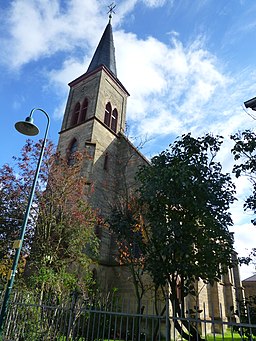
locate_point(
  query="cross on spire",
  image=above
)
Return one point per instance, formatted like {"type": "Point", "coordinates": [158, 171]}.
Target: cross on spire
{"type": "Point", "coordinates": [111, 10]}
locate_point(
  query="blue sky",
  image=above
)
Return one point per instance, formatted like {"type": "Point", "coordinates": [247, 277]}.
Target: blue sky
{"type": "Point", "coordinates": [188, 65]}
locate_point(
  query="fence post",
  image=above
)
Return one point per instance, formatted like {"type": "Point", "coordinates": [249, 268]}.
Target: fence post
{"type": "Point", "coordinates": [71, 315]}
{"type": "Point", "coordinates": [167, 319]}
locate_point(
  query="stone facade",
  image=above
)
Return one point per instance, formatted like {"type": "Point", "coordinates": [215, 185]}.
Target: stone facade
{"type": "Point", "coordinates": [111, 160]}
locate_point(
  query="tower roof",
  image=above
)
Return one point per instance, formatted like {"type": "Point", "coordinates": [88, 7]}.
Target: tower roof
{"type": "Point", "coordinates": [105, 52]}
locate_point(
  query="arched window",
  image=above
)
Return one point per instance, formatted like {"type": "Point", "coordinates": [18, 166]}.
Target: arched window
{"type": "Point", "coordinates": [82, 116]}
{"type": "Point", "coordinates": [74, 119]}
{"type": "Point", "coordinates": [71, 151]}
{"type": "Point", "coordinates": [114, 117]}
{"type": "Point", "coordinates": [107, 117]}
{"type": "Point", "coordinates": [111, 117]}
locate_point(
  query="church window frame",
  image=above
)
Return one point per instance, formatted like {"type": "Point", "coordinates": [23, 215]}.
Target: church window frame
{"type": "Point", "coordinates": [84, 109]}
{"type": "Point", "coordinates": [75, 115]}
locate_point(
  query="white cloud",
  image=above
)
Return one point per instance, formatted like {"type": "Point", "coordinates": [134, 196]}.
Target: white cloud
{"type": "Point", "coordinates": [154, 3]}
{"type": "Point", "coordinates": [41, 28]}
{"type": "Point", "coordinates": [38, 29]}
{"type": "Point", "coordinates": [163, 121]}
{"type": "Point", "coordinates": [59, 78]}
{"type": "Point", "coordinates": [173, 86]}
{"type": "Point", "coordinates": [183, 78]}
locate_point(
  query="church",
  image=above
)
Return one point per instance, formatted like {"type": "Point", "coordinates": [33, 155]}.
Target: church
{"type": "Point", "coordinates": [94, 123]}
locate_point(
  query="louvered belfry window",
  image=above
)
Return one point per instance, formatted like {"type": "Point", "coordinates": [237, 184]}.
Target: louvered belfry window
{"type": "Point", "coordinates": [83, 113]}
{"type": "Point", "coordinates": [110, 118]}
{"type": "Point", "coordinates": [75, 116]}
{"type": "Point", "coordinates": [107, 117]}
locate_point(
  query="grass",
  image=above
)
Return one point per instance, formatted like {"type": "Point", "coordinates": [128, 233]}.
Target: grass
{"type": "Point", "coordinates": [227, 337]}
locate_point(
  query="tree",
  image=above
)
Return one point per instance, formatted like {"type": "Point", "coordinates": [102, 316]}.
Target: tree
{"type": "Point", "coordinates": [244, 151]}
{"type": "Point", "coordinates": [126, 223]}
{"type": "Point", "coordinates": [14, 191]}
{"type": "Point", "coordinates": [10, 210]}
{"type": "Point", "coordinates": [187, 198]}
{"type": "Point", "coordinates": [60, 242]}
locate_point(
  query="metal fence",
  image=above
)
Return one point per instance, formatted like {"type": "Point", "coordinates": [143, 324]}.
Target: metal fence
{"type": "Point", "coordinates": [115, 319]}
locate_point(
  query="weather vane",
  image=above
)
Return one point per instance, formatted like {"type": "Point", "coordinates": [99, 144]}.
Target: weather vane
{"type": "Point", "coordinates": [111, 10]}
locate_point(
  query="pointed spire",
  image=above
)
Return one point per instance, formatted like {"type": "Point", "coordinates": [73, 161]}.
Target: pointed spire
{"type": "Point", "coordinates": [105, 51]}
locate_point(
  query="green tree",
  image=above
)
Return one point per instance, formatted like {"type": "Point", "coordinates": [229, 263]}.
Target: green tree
{"type": "Point", "coordinates": [244, 152]}
{"type": "Point", "coordinates": [187, 198]}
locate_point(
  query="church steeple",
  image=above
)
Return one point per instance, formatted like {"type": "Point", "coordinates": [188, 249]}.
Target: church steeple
{"type": "Point", "coordinates": [105, 52]}
{"type": "Point", "coordinates": [96, 105]}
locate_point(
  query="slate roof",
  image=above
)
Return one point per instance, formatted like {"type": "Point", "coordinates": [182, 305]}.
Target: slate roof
{"type": "Point", "coordinates": [105, 52]}
{"type": "Point", "coordinates": [250, 279]}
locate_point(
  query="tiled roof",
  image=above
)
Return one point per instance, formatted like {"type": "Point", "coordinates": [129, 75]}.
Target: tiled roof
{"type": "Point", "coordinates": [250, 279]}
{"type": "Point", "coordinates": [105, 52]}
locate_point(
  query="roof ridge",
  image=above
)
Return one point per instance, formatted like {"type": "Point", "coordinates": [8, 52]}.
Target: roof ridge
{"type": "Point", "coordinates": [251, 278]}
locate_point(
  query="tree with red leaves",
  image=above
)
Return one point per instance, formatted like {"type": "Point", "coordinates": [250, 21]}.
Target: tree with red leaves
{"type": "Point", "coordinates": [60, 244]}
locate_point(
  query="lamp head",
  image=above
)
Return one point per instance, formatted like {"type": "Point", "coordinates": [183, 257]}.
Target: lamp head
{"type": "Point", "coordinates": [251, 103]}
{"type": "Point", "coordinates": [27, 127]}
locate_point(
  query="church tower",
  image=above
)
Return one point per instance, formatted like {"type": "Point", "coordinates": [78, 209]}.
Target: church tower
{"type": "Point", "coordinates": [94, 123]}
{"type": "Point", "coordinates": [94, 119]}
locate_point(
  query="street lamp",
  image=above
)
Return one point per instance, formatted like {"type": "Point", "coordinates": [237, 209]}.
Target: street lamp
{"type": "Point", "coordinates": [27, 128]}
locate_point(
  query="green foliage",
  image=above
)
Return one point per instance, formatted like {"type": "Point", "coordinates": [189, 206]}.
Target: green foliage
{"type": "Point", "coordinates": [247, 315]}
{"type": "Point", "coordinates": [179, 221]}
{"type": "Point", "coordinates": [187, 199]}
{"type": "Point", "coordinates": [244, 151]}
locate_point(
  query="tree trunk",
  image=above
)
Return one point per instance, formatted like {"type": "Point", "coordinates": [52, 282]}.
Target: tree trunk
{"type": "Point", "coordinates": [186, 329]}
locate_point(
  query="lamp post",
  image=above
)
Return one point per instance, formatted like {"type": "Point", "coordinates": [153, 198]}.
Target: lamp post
{"type": "Point", "coordinates": [26, 127]}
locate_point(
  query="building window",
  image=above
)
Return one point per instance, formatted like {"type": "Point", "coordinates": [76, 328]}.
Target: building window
{"type": "Point", "coordinates": [82, 116]}
{"type": "Point", "coordinates": [71, 152]}
{"type": "Point", "coordinates": [74, 119]}
{"type": "Point", "coordinates": [114, 120]}
{"type": "Point", "coordinates": [111, 117]}
{"type": "Point", "coordinates": [107, 117]}
{"type": "Point", "coordinates": [106, 162]}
